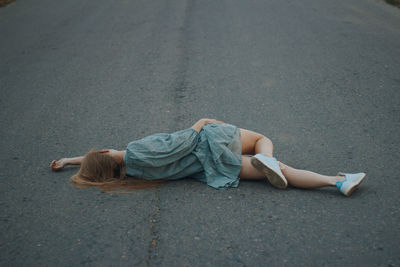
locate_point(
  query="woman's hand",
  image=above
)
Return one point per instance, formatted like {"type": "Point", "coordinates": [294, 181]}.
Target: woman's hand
{"type": "Point", "coordinates": [199, 125]}
{"type": "Point", "coordinates": [57, 165]}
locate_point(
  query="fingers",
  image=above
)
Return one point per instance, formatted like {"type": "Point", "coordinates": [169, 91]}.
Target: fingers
{"type": "Point", "coordinates": [52, 163]}
{"type": "Point", "coordinates": [55, 166]}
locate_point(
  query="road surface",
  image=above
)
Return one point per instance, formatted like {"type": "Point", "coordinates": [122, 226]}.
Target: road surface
{"type": "Point", "coordinates": [320, 78]}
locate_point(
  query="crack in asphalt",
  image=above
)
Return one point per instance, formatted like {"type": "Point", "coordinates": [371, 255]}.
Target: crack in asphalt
{"type": "Point", "coordinates": [181, 84]}
{"type": "Point", "coordinates": [154, 234]}
{"type": "Point", "coordinates": [179, 112]}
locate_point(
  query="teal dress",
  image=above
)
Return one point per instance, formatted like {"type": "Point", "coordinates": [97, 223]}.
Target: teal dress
{"type": "Point", "coordinates": [212, 156]}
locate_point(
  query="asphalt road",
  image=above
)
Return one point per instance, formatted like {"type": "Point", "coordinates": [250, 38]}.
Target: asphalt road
{"type": "Point", "coordinates": [319, 77]}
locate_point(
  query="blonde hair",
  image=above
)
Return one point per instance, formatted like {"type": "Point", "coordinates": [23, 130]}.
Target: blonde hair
{"type": "Point", "coordinates": [103, 171]}
{"type": "Point", "coordinates": [99, 169]}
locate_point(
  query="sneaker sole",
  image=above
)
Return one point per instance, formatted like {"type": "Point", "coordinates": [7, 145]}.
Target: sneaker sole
{"type": "Point", "coordinates": [274, 178]}
{"type": "Point", "coordinates": [354, 187]}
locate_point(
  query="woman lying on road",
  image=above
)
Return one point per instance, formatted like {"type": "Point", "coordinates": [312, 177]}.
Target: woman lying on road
{"type": "Point", "coordinates": [210, 151]}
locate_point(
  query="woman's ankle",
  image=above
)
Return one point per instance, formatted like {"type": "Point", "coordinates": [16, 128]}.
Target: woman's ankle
{"type": "Point", "coordinates": [336, 179]}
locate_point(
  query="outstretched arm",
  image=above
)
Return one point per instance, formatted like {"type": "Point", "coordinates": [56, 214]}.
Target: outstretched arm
{"type": "Point", "coordinates": [57, 165]}
{"type": "Point", "coordinates": [199, 125]}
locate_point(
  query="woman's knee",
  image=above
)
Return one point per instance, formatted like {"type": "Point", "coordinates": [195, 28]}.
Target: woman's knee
{"type": "Point", "coordinates": [249, 140]}
{"type": "Point", "coordinates": [268, 141]}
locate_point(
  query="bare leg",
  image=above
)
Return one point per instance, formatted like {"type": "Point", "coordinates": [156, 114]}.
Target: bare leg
{"type": "Point", "coordinates": [249, 172]}
{"type": "Point", "coordinates": [254, 143]}
{"type": "Point", "coordinates": [307, 179]}
{"type": "Point", "coordinates": [295, 177]}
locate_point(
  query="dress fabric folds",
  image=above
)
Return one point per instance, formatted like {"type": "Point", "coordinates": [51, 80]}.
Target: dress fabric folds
{"type": "Point", "coordinates": [212, 156]}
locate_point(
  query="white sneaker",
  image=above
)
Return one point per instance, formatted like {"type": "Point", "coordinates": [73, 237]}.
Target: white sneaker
{"type": "Point", "coordinates": [270, 168]}
{"type": "Point", "coordinates": [350, 182]}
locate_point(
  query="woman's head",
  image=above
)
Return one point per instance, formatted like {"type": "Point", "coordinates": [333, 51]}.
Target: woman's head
{"type": "Point", "coordinates": [99, 168]}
